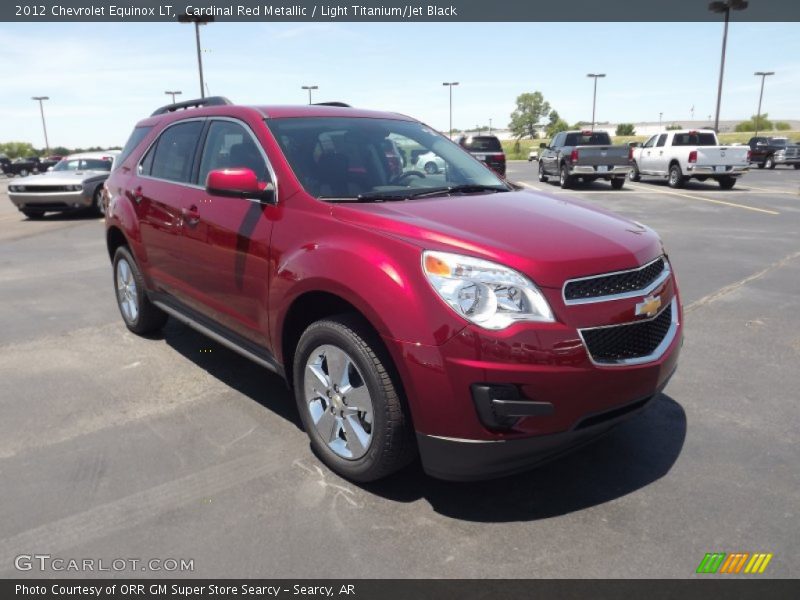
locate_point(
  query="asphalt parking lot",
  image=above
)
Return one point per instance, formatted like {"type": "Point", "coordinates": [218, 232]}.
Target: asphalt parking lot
{"type": "Point", "coordinates": [114, 446]}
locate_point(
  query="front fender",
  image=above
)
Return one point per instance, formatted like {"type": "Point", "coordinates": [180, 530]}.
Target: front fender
{"type": "Point", "coordinates": [380, 276]}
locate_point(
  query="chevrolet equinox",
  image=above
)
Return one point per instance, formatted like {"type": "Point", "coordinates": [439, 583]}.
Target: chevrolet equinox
{"type": "Point", "coordinates": [444, 315]}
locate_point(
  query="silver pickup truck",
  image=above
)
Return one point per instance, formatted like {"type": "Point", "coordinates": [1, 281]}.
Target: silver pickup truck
{"type": "Point", "coordinates": [587, 155]}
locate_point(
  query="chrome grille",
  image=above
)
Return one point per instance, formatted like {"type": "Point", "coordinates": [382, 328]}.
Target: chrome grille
{"type": "Point", "coordinates": [632, 343]}
{"type": "Point", "coordinates": [620, 284]}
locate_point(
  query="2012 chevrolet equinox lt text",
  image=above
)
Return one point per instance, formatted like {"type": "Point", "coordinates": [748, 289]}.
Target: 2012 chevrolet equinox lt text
{"type": "Point", "coordinates": [442, 314]}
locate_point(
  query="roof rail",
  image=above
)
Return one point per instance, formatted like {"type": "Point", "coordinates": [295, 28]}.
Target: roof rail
{"type": "Point", "coordinates": [339, 104]}
{"type": "Point", "coordinates": [210, 101]}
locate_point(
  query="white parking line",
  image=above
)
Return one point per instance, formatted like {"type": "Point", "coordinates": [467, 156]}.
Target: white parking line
{"type": "Point", "coordinates": [722, 202]}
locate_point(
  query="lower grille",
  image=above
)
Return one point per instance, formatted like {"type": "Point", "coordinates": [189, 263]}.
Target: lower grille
{"type": "Point", "coordinates": [632, 342]}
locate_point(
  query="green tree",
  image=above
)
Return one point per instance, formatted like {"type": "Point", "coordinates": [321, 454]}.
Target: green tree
{"type": "Point", "coordinates": [782, 126]}
{"type": "Point", "coordinates": [17, 149]}
{"type": "Point", "coordinates": [759, 122]}
{"type": "Point", "coordinates": [625, 129]}
{"type": "Point", "coordinates": [60, 151]}
{"type": "Point", "coordinates": [531, 109]}
{"type": "Point", "coordinates": [555, 124]}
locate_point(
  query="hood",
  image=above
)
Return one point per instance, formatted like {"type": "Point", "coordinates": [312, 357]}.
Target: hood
{"type": "Point", "coordinates": [59, 178]}
{"type": "Point", "coordinates": [549, 239]}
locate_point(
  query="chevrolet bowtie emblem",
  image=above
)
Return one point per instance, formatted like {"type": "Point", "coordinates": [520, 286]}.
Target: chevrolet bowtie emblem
{"type": "Point", "coordinates": [649, 306]}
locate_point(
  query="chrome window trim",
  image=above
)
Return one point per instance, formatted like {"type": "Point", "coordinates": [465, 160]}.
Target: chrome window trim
{"type": "Point", "coordinates": [194, 186]}
{"type": "Point", "coordinates": [654, 356]}
{"type": "Point", "coordinates": [623, 295]}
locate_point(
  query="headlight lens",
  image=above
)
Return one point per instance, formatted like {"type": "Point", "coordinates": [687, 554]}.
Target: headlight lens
{"type": "Point", "coordinates": [77, 188]}
{"type": "Point", "coordinates": [485, 293]}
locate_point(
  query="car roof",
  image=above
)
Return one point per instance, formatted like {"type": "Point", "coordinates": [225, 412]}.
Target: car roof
{"type": "Point", "coordinates": [99, 155]}
{"type": "Point", "coordinates": [271, 112]}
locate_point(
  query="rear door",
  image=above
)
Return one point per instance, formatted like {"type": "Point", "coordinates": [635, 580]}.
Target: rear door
{"type": "Point", "coordinates": [225, 262]}
{"type": "Point", "coordinates": [159, 188]}
{"type": "Point", "coordinates": [659, 159]}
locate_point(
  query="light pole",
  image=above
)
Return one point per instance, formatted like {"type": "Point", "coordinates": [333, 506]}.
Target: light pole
{"type": "Point", "coordinates": [763, 75]}
{"type": "Point", "coordinates": [661, 114]}
{"type": "Point", "coordinates": [726, 6]}
{"type": "Point", "coordinates": [197, 20]}
{"type": "Point", "coordinates": [173, 94]}
{"type": "Point", "coordinates": [309, 88]}
{"type": "Point", "coordinates": [450, 85]}
{"type": "Point", "coordinates": [40, 99]}
{"type": "Point", "coordinates": [490, 127]}
{"type": "Point", "coordinates": [594, 76]}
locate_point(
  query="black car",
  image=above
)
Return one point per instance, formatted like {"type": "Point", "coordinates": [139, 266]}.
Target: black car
{"type": "Point", "coordinates": [487, 149]}
{"type": "Point", "coordinates": [767, 152]}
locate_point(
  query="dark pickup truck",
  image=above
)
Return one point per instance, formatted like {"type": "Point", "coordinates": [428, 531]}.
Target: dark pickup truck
{"type": "Point", "coordinates": [767, 152]}
{"type": "Point", "coordinates": [24, 166]}
{"type": "Point", "coordinates": [587, 155]}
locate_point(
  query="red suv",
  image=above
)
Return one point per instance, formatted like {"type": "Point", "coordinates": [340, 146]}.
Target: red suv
{"type": "Point", "coordinates": [446, 315]}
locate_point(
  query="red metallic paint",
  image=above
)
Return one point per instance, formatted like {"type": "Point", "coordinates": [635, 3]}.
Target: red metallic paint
{"type": "Point", "coordinates": [243, 264]}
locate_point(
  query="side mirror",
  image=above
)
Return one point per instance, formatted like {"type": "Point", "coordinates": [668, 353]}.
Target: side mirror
{"type": "Point", "coordinates": [239, 183]}
{"type": "Point", "coordinates": [542, 145]}
{"type": "Point", "coordinates": [49, 168]}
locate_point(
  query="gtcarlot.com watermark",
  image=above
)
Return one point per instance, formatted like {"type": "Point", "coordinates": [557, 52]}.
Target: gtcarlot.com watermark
{"type": "Point", "coordinates": [47, 562]}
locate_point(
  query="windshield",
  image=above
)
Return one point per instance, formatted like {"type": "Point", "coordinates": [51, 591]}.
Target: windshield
{"type": "Point", "coordinates": [694, 139]}
{"type": "Point", "coordinates": [360, 158]}
{"type": "Point", "coordinates": [597, 138]}
{"type": "Point", "coordinates": [483, 143]}
{"type": "Point", "coordinates": [83, 164]}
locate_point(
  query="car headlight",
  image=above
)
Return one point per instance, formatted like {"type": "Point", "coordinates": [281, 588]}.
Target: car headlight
{"type": "Point", "coordinates": [485, 293]}
{"type": "Point", "coordinates": [76, 188]}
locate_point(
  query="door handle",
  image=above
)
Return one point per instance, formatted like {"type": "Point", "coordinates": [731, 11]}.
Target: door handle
{"type": "Point", "coordinates": [191, 216]}
{"type": "Point", "coordinates": [137, 195]}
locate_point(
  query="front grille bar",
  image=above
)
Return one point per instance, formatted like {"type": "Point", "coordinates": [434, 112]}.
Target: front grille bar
{"type": "Point", "coordinates": [661, 278]}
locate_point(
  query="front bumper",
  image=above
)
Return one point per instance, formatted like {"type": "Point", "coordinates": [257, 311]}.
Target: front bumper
{"type": "Point", "coordinates": [560, 397]}
{"type": "Point", "coordinates": [470, 460]}
{"type": "Point", "coordinates": [784, 160]}
{"type": "Point", "coordinates": [711, 171]}
{"type": "Point", "coordinates": [592, 170]}
{"type": "Point", "coordinates": [51, 201]}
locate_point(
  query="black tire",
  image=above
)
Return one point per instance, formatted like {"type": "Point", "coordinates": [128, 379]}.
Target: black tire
{"type": "Point", "coordinates": [675, 178]}
{"type": "Point", "coordinates": [769, 162]}
{"type": "Point", "coordinates": [33, 215]}
{"type": "Point", "coordinates": [564, 178]}
{"type": "Point", "coordinates": [23, 172]}
{"type": "Point", "coordinates": [542, 175]}
{"type": "Point", "coordinates": [634, 174]}
{"type": "Point", "coordinates": [761, 165]}
{"type": "Point", "coordinates": [726, 183]}
{"type": "Point", "coordinates": [97, 202]}
{"type": "Point", "coordinates": [431, 168]}
{"type": "Point", "coordinates": [617, 183]}
{"type": "Point", "coordinates": [797, 166]}
{"type": "Point", "coordinates": [392, 445]}
{"type": "Point", "coordinates": [149, 317]}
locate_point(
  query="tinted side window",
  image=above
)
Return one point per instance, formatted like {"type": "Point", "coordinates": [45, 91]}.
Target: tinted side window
{"type": "Point", "coordinates": [662, 139]}
{"type": "Point", "coordinates": [558, 141]}
{"type": "Point", "coordinates": [649, 143]}
{"type": "Point", "coordinates": [229, 145]}
{"type": "Point", "coordinates": [174, 151]}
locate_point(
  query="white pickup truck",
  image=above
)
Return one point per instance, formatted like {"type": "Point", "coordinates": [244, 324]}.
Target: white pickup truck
{"type": "Point", "coordinates": [684, 154]}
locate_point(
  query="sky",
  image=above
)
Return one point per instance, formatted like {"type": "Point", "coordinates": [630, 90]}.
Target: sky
{"type": "Point", "coordinates": [103, 77]}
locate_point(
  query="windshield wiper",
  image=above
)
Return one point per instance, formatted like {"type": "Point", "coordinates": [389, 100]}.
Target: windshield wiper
{"type": "Point", "coordinates": [409, 194]}
{"type": "Point", "coordinates": [462, 189]}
